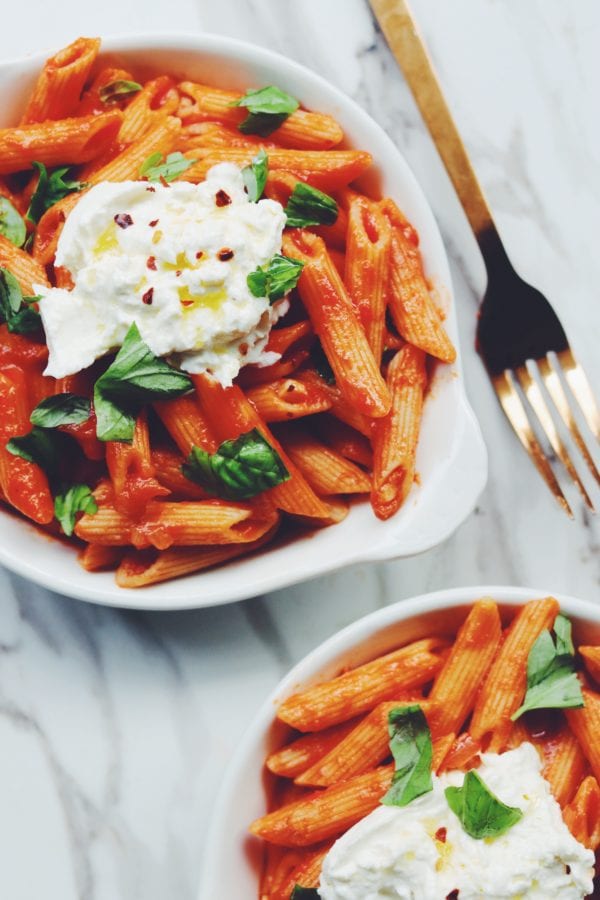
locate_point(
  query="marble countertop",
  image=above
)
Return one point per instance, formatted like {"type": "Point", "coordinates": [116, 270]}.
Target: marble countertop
{"type": "Point", "coordinates": [115, 726]}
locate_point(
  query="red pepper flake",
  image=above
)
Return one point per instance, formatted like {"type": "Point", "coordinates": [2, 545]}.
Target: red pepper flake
{"type": "Point", "coordinates": [147, 297]}
{"type": "Point", "coordinates": [187, 303]}
{"type": "Point", "coordinates": [123, 220]}
{"type": "Point", "coordinates": [244, 349]}
{"type": "Point", "coordinates": [177, 273]}
{"type": "Point", "coordinates": [153, 223]}
{"type": "Point", "coordinates": [222, 198]}
{"type": "Point", "coordinates": [440, 835]}
{"type": "Point", "coordinates": [567, 869]}
{"type": "Point", "coordinates": [151, 263]}
{"type": "Point", "coordinates": [164, 181]}
{"type": "Point", "coordinates": [199, 254]}
{"type": "Point", "coordinates": [151, 189]}
{"type": "Point", "coordinates": [225, 254]}
{"type": "Point", "coordinates": [453, 895]}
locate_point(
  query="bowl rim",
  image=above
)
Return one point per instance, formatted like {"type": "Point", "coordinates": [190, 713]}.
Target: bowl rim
{"type": "Point", "coordinates": [467, 463]}
{"type": "Point", "coordinates": [343, 642]}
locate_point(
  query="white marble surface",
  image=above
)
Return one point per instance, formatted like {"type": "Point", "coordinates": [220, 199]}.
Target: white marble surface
{"type": "Point", "coordinates": [115, 726]}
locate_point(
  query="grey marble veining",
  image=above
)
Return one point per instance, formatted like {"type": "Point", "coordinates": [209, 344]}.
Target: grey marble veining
{"type": "Point", "coordinates": [115, 726]}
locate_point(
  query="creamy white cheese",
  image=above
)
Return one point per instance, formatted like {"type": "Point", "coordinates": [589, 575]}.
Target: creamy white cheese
{"type": "Point", "coordinates": [394, 852]}
{"type": "Point", "coordinates": [177, 268]}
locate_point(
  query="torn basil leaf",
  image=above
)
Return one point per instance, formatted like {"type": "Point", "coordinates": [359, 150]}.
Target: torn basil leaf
{"type": "Point", "coordinates": [175, 164]}
{"type": "Point", "coordinates": [275, 279]}
{"type": "Point", "coordinates": [411, 747]}
{"type": "Point", "coordinates": [44, 447]}
{"type": "Point", "coordinates": [61, 409]}
{"type": "Point", "coordinates": [70, 501]}
{"type": "Point", "coordinates": [308, 206]}
{"type": "Point", "coordinates": [255, 176]}
{"type": "Point", "coordinates": [51, 187]}
{"type": "Point", "coordinates": [12, 224]}
{"type": "Point", "coordinates": [552, 681]}
{"type": "Point", "coordinates": [20, 318]}
{"type": "Point", "coordinates": [480, 812]}
{"type": "Point", "coordinates": [268, 108]}
{"type": "Point", "coordinates": [304, 893]}
{"type": "Point", "coordinates": [239, 469]}
{"type": "Point", "coordinates": [118, 90]}
{"type": "Point", "coordinates": [135, 377]}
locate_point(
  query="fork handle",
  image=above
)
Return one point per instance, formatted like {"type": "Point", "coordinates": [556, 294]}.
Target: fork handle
{"type": "Point", "coordinates": [400, 29]}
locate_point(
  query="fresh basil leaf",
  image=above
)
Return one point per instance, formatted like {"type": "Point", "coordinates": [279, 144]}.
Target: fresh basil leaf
{"type": "Point", "coordinates": [275, 279]}
{"type": "Point", "coordinates": [12, 225]}
{"type": "Point", "coordinates": [51, 188]}
{"type": "Point", "coordinates": [320, 363]}
{"type": "Point", "coordinates": [238, 469]}
{"type": "Point", "coordinates": [118, 90]}
{"type": "Point", "coordinates": [410, 744]}
{"type": "Point", "coordinates": [308, 206]}
{"type": "Point", "coordinates": [44, 447]}
{"type": "Point", "coordinates": [268, 108]}
{"type": "Point", "coordinates": [552, 682]}
{"type": "Point", "coordinates": [174, 165]}
{"type": "Point", "coordinates": [74, 499]}
{"type": "Point", "coordinates": [19, 319]}
{"type": "Point", "coordinates": [136, 376]}
{"type": "Point", "coordinates": [304, 893]}
{"type": "Point", "coordinates": [255, 176]}
{"type": "Point", "coordinates": [61, 409]}
{"type": "Point", "coordinates": [481, 813]}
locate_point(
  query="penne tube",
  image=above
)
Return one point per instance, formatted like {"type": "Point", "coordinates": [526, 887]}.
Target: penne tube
{"type": "Point", "coordinates": [91, 101]}
{"type": "Point", "coordinates": [64, 141]}
{"type": "Point", "coordinates": [167, 465]}
{"type": "Point", "coordinates": [364, 748]}
{"type": "Point", "coordinates": [143, 568]}
{"type": "Point", "coordinates": [327, 170]}
{"type": "Point", "coordinates": [302, 129]}
{"type": "Point", "coordinates": [288, 398]}
{"type": "Point", "coordinates": [306, 874]}
{"type": "Point", "coordinates": [132, 472]}
{"type": "Point", "coordinates": [23, 483]}
{"type": "Point", "coordinates": [326, 470]}
{"type": "Point", "coordinates": [504, 687]}
{"type": "Point", "coordinates": [281, 339]}
{"type": "Point", "coordinates": [363, 688]}
{"type": "Point", "coordinates": [26, 270]}
{"type": "Point", "coordinates": [564, 764]}
{"type": "Point", "coordinates": [582, 815]}
{"type": "Point", "coordinates": [97, 558]}
{"type": "Point", "coordinates": [395, 437]}
{"type": "Point", "coordinates": [215, 134]}
{"type": "Point", "coordinates": [335, 323]}
{"type": "Point", "coordinates": [463, 753]}
{"type": "Point", "coordinates": [59, 85]}
{"type": "Point", "coordinates": [50, 227]}
{"type": "Point", "coordinates": [295, 758]}
{"type": "Point", "coordinates": [456, 685]}
{"type": "Point", "coordinates": [186, 424]}
{"type": "Point", "coordinates": [288, 365]}
{"type": "Point", "coordinates": [415, 315]}
{"type": "Point", "coordinates": [345, 411]}
{"type": "Point", "coordinates": [591, 661]}
{"type": "Point", "coordinates": [126, 165]}
{"type": "Point", "coordinates": [149, 107]}
{"type": "Point", "coordinates": [368, 245]}
{"type": "Point", "coordinates": [280, 186]}
{"type": "Point", "coordinates": [21, 351]}
{"type": "Point", "coordinates": [442, 745]}
{"type": "Point", "coordinates": [585, 725]}
{"type": "Point", "coordinates": [345, 440]}
{"type": "Point", "coordinates": [230, 414]}
{"type": "Point", "coordinates": [324, 814]}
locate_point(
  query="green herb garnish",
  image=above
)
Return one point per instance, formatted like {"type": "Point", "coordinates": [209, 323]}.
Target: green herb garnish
{"type": "Point", "coordinates": [74, 499]}
{"type": "Point", "coordinates": [238, 469]}
{"type": "Point", "coordinates": [304, 893]}
{"type": "Point", "coordinates": [268, 108]}
{"type": "Point", "coordinates": [14, 309]}
{"type": "Point", "coordinates": [410, 744]}
{"type": "Point", "coordinates": [276, 278]}
{"type": "Point", "coordinates": [154, 169]}
{"type": "Point", "coordinates": [51, 187]}
{"type": "Point", "coordinates": [481, 813]}
{"type": "Point", "coordinates": [552, 681]}
{"type": "Point", "coordinates": [44, 447]}
{"type": "Point", "coordinates": [255, 176]}
{"type": "Point", "coordinates": [118, 90]}
{"type": "Point", "coordinates": [135, 377]}
{"type": "Point", "coordinates": [12, 225]}
{"type": "Point", "coordinates": [308, 206]}
{"type": "Point", "coordinates": [61, 409]}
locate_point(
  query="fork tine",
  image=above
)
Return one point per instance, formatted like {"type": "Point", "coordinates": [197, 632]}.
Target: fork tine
{"type": "Point", "coordinates": [582, 391]}
{"type": "Point", "coordinates": [540, 407]}
{"type": "Point", "coordinates": [517, 416]}
{"type": "Point", "coordinates": [557, 392]}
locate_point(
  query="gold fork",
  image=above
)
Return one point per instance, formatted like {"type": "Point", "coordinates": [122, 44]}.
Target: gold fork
{"type": "Point", "coordinates": [519, 336]}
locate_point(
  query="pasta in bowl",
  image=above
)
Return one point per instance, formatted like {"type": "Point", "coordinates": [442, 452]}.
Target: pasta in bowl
{"type": "Point", "coordinates": [242, 331]}
{"type": "Point", "coordinates": [442, 747]}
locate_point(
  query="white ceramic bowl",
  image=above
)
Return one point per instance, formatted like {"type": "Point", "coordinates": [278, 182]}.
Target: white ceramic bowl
{"type": "Point", "coordinates": [452, 461]}
{"type": "Point", "coordinates": [231, 861]}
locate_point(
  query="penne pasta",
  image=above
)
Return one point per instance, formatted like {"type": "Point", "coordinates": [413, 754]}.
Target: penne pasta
{"type": "Point", "coordinates": [564, 764]}
{"type": "Point", "coordinates": [307, 872]}
{"type": "Point", "coordinates": [582, 815]}
{"type": "Point", "coordinates": [149, 107]}
{"type": "Point", "coordinates": [326, 470]}
{"type": "Point", "coordinates": [585, 725]}
{"type": "Point", "coordinates": [160, 138]}
{"type": "Point", "coordinates": [295, 758]}
{"type": "Point", "coordinates": [60, 83]}
{"type": "Point", "coordinates": [288, 398]}
{"type": "Point", "coordinates": [591, 660]}
{"type": "Point", "coordinates": [26, 270]}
